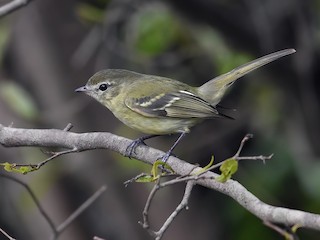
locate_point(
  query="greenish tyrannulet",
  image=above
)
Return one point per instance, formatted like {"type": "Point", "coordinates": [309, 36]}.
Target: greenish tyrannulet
{"type": "Point", "coordinates": [158, 105]}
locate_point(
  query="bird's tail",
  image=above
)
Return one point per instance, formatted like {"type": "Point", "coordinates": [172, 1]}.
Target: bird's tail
{"type": "Point", "coordinates": [214, 90]}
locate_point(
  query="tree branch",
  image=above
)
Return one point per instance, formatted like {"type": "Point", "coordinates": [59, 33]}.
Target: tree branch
{"type": "Point", "coordinates": [12, 6]}
{"type": "Point", "coordinates": [6, 234]}
{"type": "Point", "coordinates": [182, 205]}
{"type": "Point", "coordinates": [56, 230]}
{"type": "Point", "coordinates": [15, 137]}
{"type": "Point", "coordinates": [34, 199]}
{"type": "Point", "coordinates": [78, 211]}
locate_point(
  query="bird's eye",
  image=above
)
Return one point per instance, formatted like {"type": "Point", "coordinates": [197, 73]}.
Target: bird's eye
{"type": "Point", "coordinates": [103, 87]}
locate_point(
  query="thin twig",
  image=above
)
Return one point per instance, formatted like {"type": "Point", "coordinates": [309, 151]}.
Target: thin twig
{"type": "Point", "coordinates": [183, 205]}
{"type": "Point", "coordinates": [243, 142]}
{"type": "Point", "coordinates": [68, 127]}
{"type": "Point", "coordinates": [134, 179]}
{"type": "Point", "coordinates": [145, 224]}
{"type": "Point", "coordinates": [57, 154]}
{"type": "Point", "coordinates": [6, 234]}
{"type": "Point", "coordinates": [34, 199]}
{"type": "Point", "coordinates": [72, 217]}
{"type": "Point", "coordinates": [80, 210]}
{"type": "Point", "coordinates": [282, 232]}
{"type": "Point", "coordinates": [141, 175]}
{"type": "Point", "coordinates": [180, 180]}
{"type": "Point", "coordinates": [98, 238]}
{"type": "Point", "coordinates": [12, 6]}
{"type": "Point", "coordinates": [246, 138]}
{"type": "Point", "coordinates": [41, 164]}
{"type": "Point", "coordinates": [255, 158]}
{"type": "Point", "coordinates": [236, 156]}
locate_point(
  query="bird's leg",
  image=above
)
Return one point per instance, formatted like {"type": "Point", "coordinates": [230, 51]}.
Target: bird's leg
{"type": "Point", "coordinates": [168, 154]}
{"type": "Point", "coordinates": [135, 143]}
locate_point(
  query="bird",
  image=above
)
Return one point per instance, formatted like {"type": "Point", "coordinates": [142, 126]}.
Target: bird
{"type": "Point", "coordinates": [157, 105]}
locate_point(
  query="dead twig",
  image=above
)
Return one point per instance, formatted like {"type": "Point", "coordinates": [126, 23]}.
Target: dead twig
{"type": "Point", "coordinates": [183, 205]}
{"type": "Point", "coordinates": [41, 164]}
{"type": "Point", "coordinates": [80, 210]}
{"type": "Point", "coordinates": [6, 234]}
{"type": "Point", "coordinates": [288, 235]}
{"type": "Point", "coordinates": [12, 6]}
{"type": "Point", "coordinates": [56, 230]}
{"type": "Point", "coordinates": [34, 199]}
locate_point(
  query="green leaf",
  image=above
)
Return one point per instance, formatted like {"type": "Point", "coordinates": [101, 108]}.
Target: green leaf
{"type": "Point", "coordinates": [7, 166]}
{"type": "Point", "coordinates": [295, 228]}
{"type": "Point", "coordinates": [206, 167]}
{"type": "Point", "coordinates": [12, 167]}
{"type": "Point", "coordinates": [146, 178]}
{"type": "Point", "coordinates": [155, 168]}
{"type": "Point", "coordinates": [228, 168]}
{"type": "Point", "coordinates": [210, 163]}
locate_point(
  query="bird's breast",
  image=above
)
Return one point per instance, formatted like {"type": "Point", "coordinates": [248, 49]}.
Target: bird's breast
{"type": "Point", "coordinates": [155, 125]}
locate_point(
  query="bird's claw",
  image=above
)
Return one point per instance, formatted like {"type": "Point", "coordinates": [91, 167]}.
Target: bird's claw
{"type": "Point", "coordinates": [130, 150]}
{"type": "Point", "coordinates": [166, 156]}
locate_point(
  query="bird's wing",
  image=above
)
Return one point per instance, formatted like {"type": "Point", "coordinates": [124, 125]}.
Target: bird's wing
{"type": "Point", "coordinates": [179, 104]}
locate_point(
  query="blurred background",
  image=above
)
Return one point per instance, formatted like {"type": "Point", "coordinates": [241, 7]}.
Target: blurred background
{"type": "Point", "coordinates": [49, 48]}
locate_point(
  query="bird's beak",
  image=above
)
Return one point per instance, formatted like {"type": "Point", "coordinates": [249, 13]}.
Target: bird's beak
{"type": "Point", "coordinates": [81, 89]}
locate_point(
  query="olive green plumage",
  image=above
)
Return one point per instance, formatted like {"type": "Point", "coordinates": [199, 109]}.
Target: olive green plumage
{"type": "Point", "coordinates": [159, 105]}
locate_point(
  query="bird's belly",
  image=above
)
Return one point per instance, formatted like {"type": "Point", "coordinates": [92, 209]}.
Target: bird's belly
{"type": "Point", "coordinates": [159, 126]}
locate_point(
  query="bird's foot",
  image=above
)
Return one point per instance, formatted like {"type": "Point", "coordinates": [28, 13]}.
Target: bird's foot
{"type": "Point", "coordinates": [133, 145]}
{"type": "Point", "coordinates": [166, 156]}
{"type": "Point", "coordinates": [169, 153]}
{"type": "Point", "coordinates": [164, 167]}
